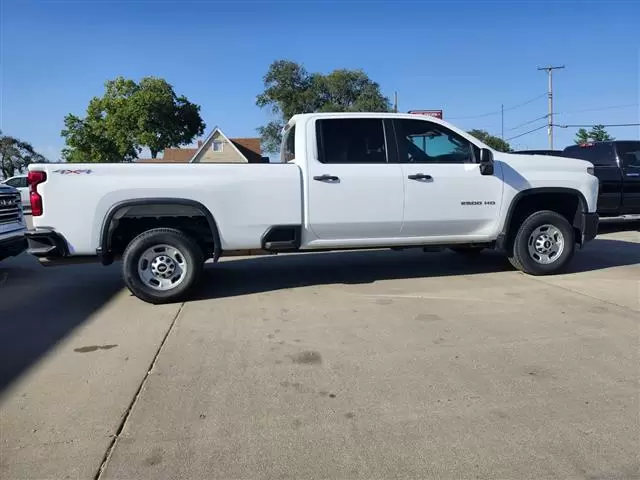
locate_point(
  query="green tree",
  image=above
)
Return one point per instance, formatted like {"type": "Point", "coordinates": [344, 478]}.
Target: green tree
{"type": "Point", "coordinates": [290, 89]}
{"type": "Point", "coordinates": [596, 134]}
{"type": "Point", "coordinates": [494, 142]}
{"type": "Point", "coordinates": [16, 155]}
{"type": "Point", "coordinates": [599, 134]}
{"type": "Point", "coordinates": [582, 136]}
{"type": "Point", "coordinates": [128, 117]}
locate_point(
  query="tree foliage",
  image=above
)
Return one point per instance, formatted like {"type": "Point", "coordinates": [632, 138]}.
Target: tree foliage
{"type": "Point", "coordinates": [290, 89]}
{"type": "Point", "coordinates": [494, 142]}
{"type": "Point", "coordinates": [16, 155]}
{"type": "Point", "coordinates": [128, 117]}
{"type": "Point", "coordinates": [597, 134]}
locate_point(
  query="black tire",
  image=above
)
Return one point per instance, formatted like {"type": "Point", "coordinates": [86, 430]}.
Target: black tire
{"type": "Point", "coordinates": [523, 260]}
{"type": "Point", "coordinates": [191, 255]}
{"type": "Point", "coordinates": [468, 251]}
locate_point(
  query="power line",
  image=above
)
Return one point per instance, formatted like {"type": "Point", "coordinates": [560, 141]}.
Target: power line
{"type": "Point", "coordinates": [499, 112]}
{"type": "Point", "coordinates": [528, 123]}
{"type": "Point", "coordinates": [598, 124]}
{"type": "Point", "coordinates": [527, 133]}
{"type": "Point", "coordinates": [613, 107]}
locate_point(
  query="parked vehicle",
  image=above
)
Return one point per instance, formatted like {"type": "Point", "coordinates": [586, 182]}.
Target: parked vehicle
{"type": "Point", "coordinates": [617, 166]}
{"type": "Point", "coordinates": [347, 180]}
{"type": "Point", "coordinates": [553, 153]}
{"type": "Point", "coordinates": [19, 182]}
{"type": "Point", "coordinates": [12, 227]}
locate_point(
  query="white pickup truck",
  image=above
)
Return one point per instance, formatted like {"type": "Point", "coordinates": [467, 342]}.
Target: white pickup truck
{"type": "Point", "coordinates": [346, 181]}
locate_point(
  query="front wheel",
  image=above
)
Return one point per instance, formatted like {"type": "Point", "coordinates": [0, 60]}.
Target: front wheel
{"type": "Point", "coordinates": [162, 265]}
{"type": "Point", "coordinates": [544, 244]}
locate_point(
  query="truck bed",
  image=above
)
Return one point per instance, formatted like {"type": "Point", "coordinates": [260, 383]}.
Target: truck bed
{"type": "Point", "coordinates": [244, 199]}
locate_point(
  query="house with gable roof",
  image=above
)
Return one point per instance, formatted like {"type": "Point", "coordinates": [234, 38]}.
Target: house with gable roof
{"type": "Point", "coordinates": [215, 148]}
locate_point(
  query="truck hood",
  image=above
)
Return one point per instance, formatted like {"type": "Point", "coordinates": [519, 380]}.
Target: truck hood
{"type": "Point", "coordinates": [542, 162]}
{"type": "Point", "coordinates": [7, 189]}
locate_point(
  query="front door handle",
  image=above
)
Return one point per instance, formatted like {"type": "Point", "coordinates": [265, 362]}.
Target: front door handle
{"type": "Point", "coordinates": [633, 174]}
{"type": "Point", "coordinates": [420, 176]}
{"type": "Point", "coordinates": [326, 178]}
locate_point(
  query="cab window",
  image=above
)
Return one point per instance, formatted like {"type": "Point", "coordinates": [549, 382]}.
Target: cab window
{"type": "Point", "coordinates": [289, 145]}
{"type": "Point", "coordinates": [425, 142]}
{"type": "Point", "coordinates": [351, 140]}
{"type": "Point", "coordinates": [600, 154]}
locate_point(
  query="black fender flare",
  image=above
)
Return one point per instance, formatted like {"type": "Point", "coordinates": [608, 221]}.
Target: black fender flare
{"type": "Point", "coordinates": [179, 206]}
{"type": "Point", "coordinates": [502, 241]}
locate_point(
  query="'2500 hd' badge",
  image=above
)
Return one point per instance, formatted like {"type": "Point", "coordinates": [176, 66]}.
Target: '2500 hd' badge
{"type": "Point", "coordinates": [469, 204]}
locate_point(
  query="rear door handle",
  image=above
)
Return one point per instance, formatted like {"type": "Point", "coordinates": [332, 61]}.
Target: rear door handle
{"type": "Point", "coordinates": [420, 176]}
{"type": "Point", "coordinates": [326, 178]}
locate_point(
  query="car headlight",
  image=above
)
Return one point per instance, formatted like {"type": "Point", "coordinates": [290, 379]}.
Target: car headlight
{"type": "Point", "coordinates": [591, 171]}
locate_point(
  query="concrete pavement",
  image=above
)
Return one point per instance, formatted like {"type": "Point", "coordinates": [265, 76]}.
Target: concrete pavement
{"type": "Point", "coordinates": [339, 365]}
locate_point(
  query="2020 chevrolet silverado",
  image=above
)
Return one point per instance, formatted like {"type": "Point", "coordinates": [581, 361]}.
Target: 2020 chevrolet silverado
{"type": "Point", "coordinates": [346, 181]}
{"type": "Point", "coordinates": [12, 226]}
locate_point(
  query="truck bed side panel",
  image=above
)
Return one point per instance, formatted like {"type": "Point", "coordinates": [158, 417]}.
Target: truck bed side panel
{"type": "Point", "coordinates": [243, 199]}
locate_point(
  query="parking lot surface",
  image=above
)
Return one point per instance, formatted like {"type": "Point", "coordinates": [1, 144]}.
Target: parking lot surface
{"type": "Point", "coordinates": [336, 365]}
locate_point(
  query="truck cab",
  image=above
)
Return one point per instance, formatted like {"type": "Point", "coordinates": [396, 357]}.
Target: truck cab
{"type": "Point", "coordinates": [617, 166]}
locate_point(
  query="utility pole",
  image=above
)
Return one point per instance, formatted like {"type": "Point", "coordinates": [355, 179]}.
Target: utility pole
{"type": "Point", "coordinates": [549, 71]}
{"type": "Point", "coordinates": [502, 112]}
{"type": "Point", "coordinates": [395, 102]}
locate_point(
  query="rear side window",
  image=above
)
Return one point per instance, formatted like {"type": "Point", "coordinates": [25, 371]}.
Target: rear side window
{"type": "Point", "coordinates": [289, 145]}
{"type": "Point", "coordinates": [351, 140]}
{"type": "Point", "coordinates": [629, 153]}
{"type": "Point", "coordinates": [600, 154]}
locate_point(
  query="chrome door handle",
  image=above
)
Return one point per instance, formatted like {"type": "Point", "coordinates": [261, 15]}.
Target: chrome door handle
{"type": "Point", "coordinates": [633, 174]}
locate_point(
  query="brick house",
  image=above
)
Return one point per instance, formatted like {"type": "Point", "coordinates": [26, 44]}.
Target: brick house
{"type": "Point", "coordinates": [215, 148]}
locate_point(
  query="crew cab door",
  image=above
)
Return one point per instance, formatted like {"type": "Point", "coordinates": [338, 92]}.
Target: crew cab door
{"type": "Point", "coordinates": [354, 191]}
{"type": "Point", "coordinates": [445, 193]}
{"type": "Point", "coordinates": [629, 156]}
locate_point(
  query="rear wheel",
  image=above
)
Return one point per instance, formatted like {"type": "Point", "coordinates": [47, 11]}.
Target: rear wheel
{"type": "Point", "coordinates": [162, 265]}
{"type": "Point", "coordinates": [544, 244]}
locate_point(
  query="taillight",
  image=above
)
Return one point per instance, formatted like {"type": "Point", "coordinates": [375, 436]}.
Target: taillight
{"type": "Point", "coordinates": [34, 179]}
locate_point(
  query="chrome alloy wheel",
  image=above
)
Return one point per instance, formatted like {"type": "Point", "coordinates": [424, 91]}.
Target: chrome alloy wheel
{"type": "Point", "coordinates": [162, 267]}
{"type": "Point", "coordinates": [546, 244]}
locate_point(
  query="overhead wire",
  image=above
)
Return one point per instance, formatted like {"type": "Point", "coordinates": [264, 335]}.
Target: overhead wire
{"type": "Point", "coordinates": [598, 125]}
{"type": "Point", "coordinates": [499, 112]}
{"type": "Point", "coordinates": [598, 109]}
{"type": "Point", "coordinates": [527, 133]}
{"type": "Point", "coordinates": [528, 123]}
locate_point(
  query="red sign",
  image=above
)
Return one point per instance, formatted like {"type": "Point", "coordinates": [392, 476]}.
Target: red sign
{"type": "Point", "coordinates": [430, 113]}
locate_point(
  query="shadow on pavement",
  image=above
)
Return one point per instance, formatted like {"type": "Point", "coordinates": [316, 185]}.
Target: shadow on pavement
{"type": "Point", "coordinates": [40, 306]}
{"type": "Point", "coordinates": [270, 273]}
{"type": "Point", "coordinates": [609, 226]}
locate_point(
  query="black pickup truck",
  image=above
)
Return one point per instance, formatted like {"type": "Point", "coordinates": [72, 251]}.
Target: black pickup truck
{"type": "Point", "coordinates": [617, 166]}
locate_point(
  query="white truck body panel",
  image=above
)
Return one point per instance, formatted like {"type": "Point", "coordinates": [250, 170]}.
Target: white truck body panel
{"type": "Point", "coordinates": [371, 205]}
{"type": "Point", "coordinates": [244, 199]}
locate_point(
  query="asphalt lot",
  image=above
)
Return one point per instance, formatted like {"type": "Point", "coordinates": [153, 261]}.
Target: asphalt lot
{"type": "Point", "coordinates": [336, 365]}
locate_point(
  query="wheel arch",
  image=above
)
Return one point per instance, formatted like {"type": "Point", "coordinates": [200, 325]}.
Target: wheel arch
{"type": "Point", "coordinates": [547, 196]}
{"type": "Point", "coordinates": [152, 207]}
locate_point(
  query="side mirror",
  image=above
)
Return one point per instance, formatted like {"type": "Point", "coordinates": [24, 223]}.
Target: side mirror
{"type": "Point", "coordinates": [486, 161]}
